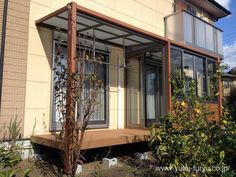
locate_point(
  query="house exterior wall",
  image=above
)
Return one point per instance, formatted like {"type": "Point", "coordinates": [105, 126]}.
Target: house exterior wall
{"type": "Point", "coordinates": [38, 103]}
{"type": "Point", "coordinates": [27, 75]}
{"type": "Point", "coordinates": [228, 85]}
{"type": "Point", "coordinates": [15, 63]}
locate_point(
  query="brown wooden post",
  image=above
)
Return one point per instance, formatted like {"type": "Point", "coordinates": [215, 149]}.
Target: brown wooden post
{"type": "Point", "coordinates": [70, 92]}
{"type": "Point", "coordinates": [168, 74]}
{"type": "Point", "coordinates": [220, 96]}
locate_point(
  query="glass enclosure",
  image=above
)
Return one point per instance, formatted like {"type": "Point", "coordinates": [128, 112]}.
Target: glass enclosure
{"type": "Point", "coordinates": [189, 29]}
{"type": "Point", "coordinates": [144, 88]}
{"type": "Point", "coordinates": [195, 67]}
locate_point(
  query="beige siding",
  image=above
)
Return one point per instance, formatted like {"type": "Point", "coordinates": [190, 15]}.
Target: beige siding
{"type": "Point", "coordinates": [38, 107]}
{"type": "Point", "coordinates": [15, 60]}
{"type": "Point", "coordinates": [1, 20]}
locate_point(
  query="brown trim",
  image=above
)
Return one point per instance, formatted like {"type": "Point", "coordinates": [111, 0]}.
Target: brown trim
{"type": "Point", "coordinates": [4, 24]}
{"type": "Point", "coordinates": [220, 96]}
{"type": "Point", "coordinates": [53, 14]}
{"type": "Point", "coordinates": [168, 72]}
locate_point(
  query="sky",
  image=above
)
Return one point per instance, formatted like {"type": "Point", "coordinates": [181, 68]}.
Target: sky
{"type": "Point", "coordinates": [228, 25]}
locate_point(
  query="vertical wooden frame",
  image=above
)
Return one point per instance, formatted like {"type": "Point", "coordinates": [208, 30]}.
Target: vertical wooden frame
{"type": "Point", "coordinates": [220, 93]}
{"type": "Point", "coordinates": [168, 74]}
{"type": "Point", "coordinates": [70, 92]}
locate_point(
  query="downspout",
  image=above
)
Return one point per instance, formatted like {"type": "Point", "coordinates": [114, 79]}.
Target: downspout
{"type": "Point", "coordinates": [4, 24]}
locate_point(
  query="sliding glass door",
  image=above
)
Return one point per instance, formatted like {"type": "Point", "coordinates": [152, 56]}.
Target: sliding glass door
{"type": "Point", "coordinates": [152, 94]}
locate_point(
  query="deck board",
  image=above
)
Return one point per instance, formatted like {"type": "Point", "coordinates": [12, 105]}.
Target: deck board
{"type": "Point", "coordinates": [96, 138]}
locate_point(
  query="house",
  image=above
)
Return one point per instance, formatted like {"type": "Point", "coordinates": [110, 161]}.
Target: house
{"type": "Point", "coordinates": [229, 82]}
{"type": "Point", "coordinates": [142, 42]}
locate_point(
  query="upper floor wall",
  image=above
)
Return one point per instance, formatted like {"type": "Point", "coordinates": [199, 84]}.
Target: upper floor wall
{"type": "Point", "coordinates": [193, 24]}
{"type": "Point", "coordinates": [148, 15]}
{"type": "Point", "coordinates": [207, 10]}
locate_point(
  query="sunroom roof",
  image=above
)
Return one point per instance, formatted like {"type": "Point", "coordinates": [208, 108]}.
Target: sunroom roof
{"type": "Point", "coordinates": [92, 25]}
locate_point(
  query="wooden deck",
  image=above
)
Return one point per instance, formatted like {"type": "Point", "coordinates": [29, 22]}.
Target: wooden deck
{"type": "Point", "coordinates": [97, 138]}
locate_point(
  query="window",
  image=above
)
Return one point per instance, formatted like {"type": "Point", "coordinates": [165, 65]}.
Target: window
{"type": "Point", "coordinates": [176, 63]}
{"type": "Point", "coordinates": [195, 67]}
{"type": "Point", "coordinates": [210, 78]}
{"type": "Point", "coordinates": [99, 116]}
{"type": "Point", "coordinates": [200, 71]}
{"type": "Point", "coordinates": [188, 69]}
{"type": "Point", "coordinates": [192, 10]}
{"type": "Point", "coordinates": [100, 70]}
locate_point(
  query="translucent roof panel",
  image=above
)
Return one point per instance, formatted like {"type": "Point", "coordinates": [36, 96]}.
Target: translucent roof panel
{"type": "Point", "coordinates": [106, 32]}
{"type": "Point", "coordinates": [98, 34]}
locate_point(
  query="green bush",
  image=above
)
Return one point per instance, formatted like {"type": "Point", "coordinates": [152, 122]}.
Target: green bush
{"type": "Point", "coordinates": [187, 142]}
{"type": "Point", "coordinates": [9, 154]}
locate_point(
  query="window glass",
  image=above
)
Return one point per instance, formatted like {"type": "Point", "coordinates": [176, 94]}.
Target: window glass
{"type": "Point", "coordinates": [200, 71]}
{"type": "Point", "coordinates": [192, 10]}
{"type": "Point", "coordinates": [176, 57]}
{"type": "Point", "coordinates": [194, 67]}
{"type": "Point", "coordinates": [100, 71]}
{"type": "Point", "coordinates": [188, 68]}
{"type": "Point", "coordinates": [211, 87]}
{"type": "Point", "coordinates": [99, 116]}
{"type": "Point", "coordinates": [176, 65]}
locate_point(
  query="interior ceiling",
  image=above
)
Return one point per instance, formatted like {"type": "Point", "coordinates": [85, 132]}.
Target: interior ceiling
{"type": "Point", "coordinates": [89, 26]}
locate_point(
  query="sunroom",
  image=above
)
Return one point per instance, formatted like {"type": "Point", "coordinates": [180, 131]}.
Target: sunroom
{"type": "Point", "coordinates": [134, 66]}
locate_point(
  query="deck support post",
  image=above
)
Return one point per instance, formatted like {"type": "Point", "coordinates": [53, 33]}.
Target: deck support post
{"type": "Point", "coordinates": [220, 96]}
{"type": "Point", "coordinates": [168, 74]}
{"type": "Point", "coordinates": [70, 92]}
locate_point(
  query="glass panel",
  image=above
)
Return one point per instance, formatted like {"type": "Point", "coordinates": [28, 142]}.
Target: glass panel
{"type": "Point", "coordinates": [176, 65]}
{"type": "Point", "coordinates": [150, 94]}
{"type": "Point", "coordinates": [99, 115]}
{"type": "Point", "coordinates": [176, 56]}
{"type": "Point", "coordinates": [188, 68]}
{"type": "Point", "coordinates": [100, 71]}
{"type": "Point", "coordinates": [200, 71]}
{"type": "Point", "coordinates": [220, 42]}
{"type": "Point", "coordinates": [211, 65]}
{"type": "Point", "coordinates": [134, 101]}
{"type": "Point", "coordinates": [61, 57]}
{"type": "Point", "coordinates": [188, 28]}
{"type": "Point", "coordinates": [200, 33]}
{"type": "Point", "coordinates": [209, 37]}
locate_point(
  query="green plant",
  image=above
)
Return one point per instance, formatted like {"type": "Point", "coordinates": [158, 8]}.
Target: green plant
{"type": "Point", "coordinates": [187, 143]}
{"type": "Point", "coordinates": [10, 154]}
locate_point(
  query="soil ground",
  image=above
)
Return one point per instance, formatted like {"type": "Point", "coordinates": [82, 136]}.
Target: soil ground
{"type": "Point", "coordinates": [128, 165]}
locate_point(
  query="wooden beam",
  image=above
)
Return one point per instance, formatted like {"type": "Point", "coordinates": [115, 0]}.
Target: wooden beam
{"type": "Point", "coordinates": [70, 91]}
{"type": "Point", "coordinates": [168, 72]}
{"type": "Point", "coordinates": [220, 96]}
